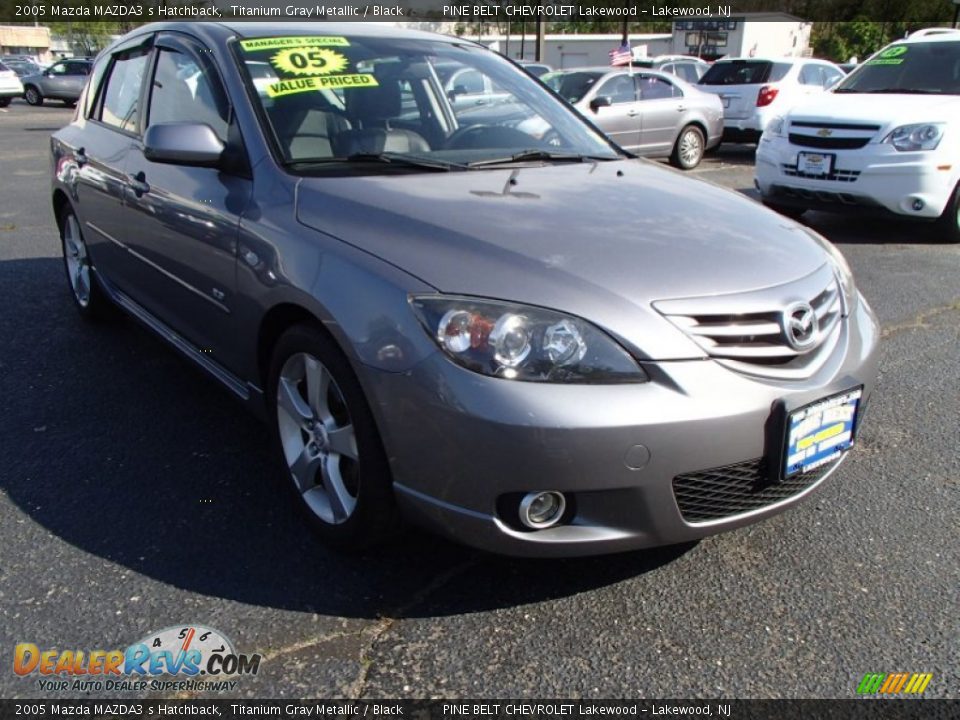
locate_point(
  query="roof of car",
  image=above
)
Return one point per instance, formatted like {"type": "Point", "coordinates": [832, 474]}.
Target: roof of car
{"type": "Point", "coordinates": [933, 35]}
{"type": "Point", "coordinates": [267, 29]}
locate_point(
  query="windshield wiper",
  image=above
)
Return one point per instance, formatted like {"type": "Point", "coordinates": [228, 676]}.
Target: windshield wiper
{"type": "Point", "coordinates": [386, 158]}
{"type": "Point", "coordinates": [526, 155]}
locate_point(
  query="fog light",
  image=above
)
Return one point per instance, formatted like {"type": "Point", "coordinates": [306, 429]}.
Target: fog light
{"type": "Point", "coordinates": [541, 510]}
{"type": "Point", "coordinates": [918, 204]}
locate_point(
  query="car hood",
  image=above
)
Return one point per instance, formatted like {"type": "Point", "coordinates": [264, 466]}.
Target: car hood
{"type": "Point", "coordinates": [887, 111]}
{"type": "Point", "coordinates": [599, 240]}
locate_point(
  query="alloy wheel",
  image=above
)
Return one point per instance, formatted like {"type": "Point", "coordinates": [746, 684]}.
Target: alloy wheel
{"type": "Point", "coordinates": [691, 148]}
{"type": "Point", "coordinates": [78, 261]}
{"type": "Point", "coordinates": [318, 439]}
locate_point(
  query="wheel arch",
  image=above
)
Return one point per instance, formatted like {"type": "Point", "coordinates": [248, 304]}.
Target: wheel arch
{"type": "Point", "coordinates": [275, 322]}
{"type": "Point", "coordinates": [60, 201]}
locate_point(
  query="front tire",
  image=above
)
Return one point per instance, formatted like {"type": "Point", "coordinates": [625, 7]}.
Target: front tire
{"type": "Point", "coordinates": [326, 443]}
{"type": "Point", "coordinates": [948, 225]}
{"type": "Point", "coordinates": [32, 96]}
{"type": "Point", "coordinates": [689, 148]}
{"type": "Point", "coordinates": [4, 102]}
{"type": "Point", "coordinates": [88, 298]}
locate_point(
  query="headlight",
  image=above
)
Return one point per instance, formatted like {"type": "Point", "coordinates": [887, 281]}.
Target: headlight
{"type": "Point", "coordinates": [922, 136]}
{"type": "Point", "coordinates": [519, 342]}
{"type": "Point", "coordinates": [775, 126]}
{"type": "Point", "coordinates": [841, 269]}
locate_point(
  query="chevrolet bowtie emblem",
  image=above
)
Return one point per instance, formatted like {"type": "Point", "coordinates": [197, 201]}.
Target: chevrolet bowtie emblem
{"type": "Point", "coordinates": [824, 132]}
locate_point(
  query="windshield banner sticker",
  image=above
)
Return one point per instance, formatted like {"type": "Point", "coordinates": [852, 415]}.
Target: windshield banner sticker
{"type": "Point", "coordinates": [890, 56]}
{"type": "Point", "coordinates": [309, 61]}
{"type": "Point", "coordinates": [319, 82]}
{"type": "Point", "coordinates": [284, 42]}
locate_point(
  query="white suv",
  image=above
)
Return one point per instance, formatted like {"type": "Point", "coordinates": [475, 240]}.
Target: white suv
{"type": "Point", "coordinates": [755, 90]}
{"type": "Point", "coordinates": [886, 137]}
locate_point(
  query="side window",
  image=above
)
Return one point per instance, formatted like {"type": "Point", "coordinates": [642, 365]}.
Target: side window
{"type": "Point", "coordinates": [831, 76]}
{"type": "Point", "coordinates": [183, 92]}
{"type": "Point", "coordinates": [469, 82]}
{"type": "Point", "coordinates": [121, 98]}
{"type": "Point", "coordinates": [811, 75]}
{"type": "Point", "coordinates": [94, 86]}
{"type": "Point", "coordinates": [688, 71]}
{"type": "Point", "coordinates": [619, 89]}
{"type": "Point", "coordinates": [58, 69]}
{"type": "Point", "coordinates": [653, 88]}
{"type": "Point", "coordinates": [669, 68]}
{"type": "Point", "coordinates": [77, 68]}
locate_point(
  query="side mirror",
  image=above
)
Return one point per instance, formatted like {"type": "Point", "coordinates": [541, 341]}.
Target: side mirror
{"type": "Point", "coordinates": [601, 101]}
{"type": "Point", "coordinates": [183, 143]}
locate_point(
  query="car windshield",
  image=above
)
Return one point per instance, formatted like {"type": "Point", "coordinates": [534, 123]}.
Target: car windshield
{"type": "Point", "coordinates": [572, 86]}
{"type": "Point", "coordinates": [744, 72]}
{"type": "Point", "coordinates": [930, 68]}
{"type": "Point", "coordinates": [402, 103]}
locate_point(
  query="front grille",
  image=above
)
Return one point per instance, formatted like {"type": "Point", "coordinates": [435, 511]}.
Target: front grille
{"type": "Point", "coordinates": [835, 175]}
{"type": "Point", "coordinates": [746, 331]}
{"type": "Point", "coordinates": [828, 143]}
{"type": "Point", "coordinates": [730, 490]}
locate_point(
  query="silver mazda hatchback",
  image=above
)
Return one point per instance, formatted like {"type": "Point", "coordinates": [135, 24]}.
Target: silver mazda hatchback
{"type": "Point", "coordinates": [497, 325]}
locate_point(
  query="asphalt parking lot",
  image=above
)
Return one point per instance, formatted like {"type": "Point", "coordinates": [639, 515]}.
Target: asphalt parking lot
{"type": "Point", "coordinates": [135, 495]}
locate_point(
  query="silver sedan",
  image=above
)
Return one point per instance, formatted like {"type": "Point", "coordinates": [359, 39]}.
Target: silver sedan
{"type": "Point", "coordinates": [648, 113]}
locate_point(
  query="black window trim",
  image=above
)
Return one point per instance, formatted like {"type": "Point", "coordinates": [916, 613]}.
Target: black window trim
{"type": "Point", "coordinates": [140, 42]}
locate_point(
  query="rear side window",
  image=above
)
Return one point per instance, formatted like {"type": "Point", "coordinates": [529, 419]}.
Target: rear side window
{"type": "Point", "coordinates": [812, 75]}
{"type": "Point", "coordinates": [745, 72]}
{"type": "Point", "coordinates": [619, 89]}
{"type": "Point", "coordinates": [653, 88]}
{"type": "Point", "coordinates": [121, 98]}
{"type": "Point", "coordinates": [687, 71]}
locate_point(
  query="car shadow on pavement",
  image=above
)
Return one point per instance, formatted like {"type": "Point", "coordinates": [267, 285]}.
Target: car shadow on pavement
{"type": "Point", "coordinates": [117, 446]}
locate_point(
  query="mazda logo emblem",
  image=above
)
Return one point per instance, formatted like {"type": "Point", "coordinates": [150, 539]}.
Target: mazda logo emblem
{"type": "Point", "coordinates": [799, 323]}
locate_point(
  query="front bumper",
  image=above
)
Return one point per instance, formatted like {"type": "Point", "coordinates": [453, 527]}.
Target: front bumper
{"type": "Point", "coordinates": [877, 177]}
{"type": "Point", "coordinates": [11, 91]}
{"type": "Point", "coordinates": [461, 445]}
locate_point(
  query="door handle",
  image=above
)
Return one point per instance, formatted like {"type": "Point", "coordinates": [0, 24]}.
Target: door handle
{"type": "Point", "coordinates": [633, 113]}
{"type": "Point", "coordinates": [138, 183]}
{"type": "Point", "coordinates": [681, 108]}
{"type": "Point", "coordinates": [80, 157]}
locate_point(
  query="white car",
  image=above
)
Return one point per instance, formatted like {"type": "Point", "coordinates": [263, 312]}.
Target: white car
{"type": "Point", "coordinates": [755, 90]}
{"type": "Point", "coordinates": [10, 86]}
{"type": "Point", "coordinates": [886, 138]}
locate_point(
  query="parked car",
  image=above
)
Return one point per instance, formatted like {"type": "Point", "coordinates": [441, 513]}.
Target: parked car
{"type": "Point", "coordinates": [63, 81]}
{"type": "Point", "coordinates": [537, 69]}
{"type": "Point", "coordinates": [754, 90]}
{"type": "Point", "coordinates": [887, 138]}
{"type": "Point", "coordinates": [686, 67]}
{"type": "Point", "coordinates": [10, 86]}
{"type": "Point", "coordinates": [646, 112]}
{"type": "Point", "coordinates": [22, 67]}
{"type": "Point", "coordinates": [538, 349]}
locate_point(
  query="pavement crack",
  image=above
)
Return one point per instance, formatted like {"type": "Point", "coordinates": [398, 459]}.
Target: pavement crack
{"type": "Point", "coordinates": [919, 321]}
{"type": "Point", "coordinates": [386, 622]}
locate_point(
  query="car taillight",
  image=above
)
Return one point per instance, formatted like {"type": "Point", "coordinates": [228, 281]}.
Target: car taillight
{"type": "Point", "coordinates": [766, 96]}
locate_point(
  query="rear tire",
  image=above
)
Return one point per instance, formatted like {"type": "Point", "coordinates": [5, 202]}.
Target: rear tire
{"type": "Point", "coordinates": [948, 226]}
{"type": "Point", "coordinates": [32, 96]}
{"type": "Point", "coordinates": [794, 213]}
{"type": "Point", "coordinates": [91, 302]}
{"type": "Point", "coordinates": [326, 444]}
{"type": "Point", "coordinates": [689, 148]}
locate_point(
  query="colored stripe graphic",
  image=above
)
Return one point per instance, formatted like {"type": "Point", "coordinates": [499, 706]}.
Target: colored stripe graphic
{"type": "Point", "coordinates": [894, 683]}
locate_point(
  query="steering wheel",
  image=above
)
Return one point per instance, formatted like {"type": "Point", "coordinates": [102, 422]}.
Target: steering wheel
{"type": "Point", "coordinates": [475, 137]}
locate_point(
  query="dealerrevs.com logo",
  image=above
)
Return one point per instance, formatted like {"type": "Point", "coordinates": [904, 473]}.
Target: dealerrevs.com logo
{"type": "Point", "coordinates": [189, 657]}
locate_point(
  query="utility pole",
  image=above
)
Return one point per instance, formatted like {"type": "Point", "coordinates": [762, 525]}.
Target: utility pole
{"type": "Point", "coordinates": [541, 43]}
{"type": "Point", "coordinates": [956, 12]}
{"type": "Point", "coordinates": [523, 38]}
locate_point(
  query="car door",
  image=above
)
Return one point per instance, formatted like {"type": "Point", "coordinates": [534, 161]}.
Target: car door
{"type": "Point", "coordinates": [620, 120]}
{"type": "Point", "coordinates": [74, 79]}
{"type": "Point", "coordinates": [99, 153]}
{"type": "Point", "coordinates": [55, 81]}
{"type": "Point", "coordinates": [662, 108]}
{"type": "Point", "coordinates": [187, 217]}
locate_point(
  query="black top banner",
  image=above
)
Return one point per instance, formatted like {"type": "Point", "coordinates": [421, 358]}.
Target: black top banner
{"type": "Point", "coordinates": [614, 12]}
{"type": "Point", "coordinates": [917, 709]}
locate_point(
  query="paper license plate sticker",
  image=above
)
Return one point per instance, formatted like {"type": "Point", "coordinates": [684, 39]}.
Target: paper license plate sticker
{"type": "Point", "coordinates": [275, 43]}
{"type": "Point", "coordinates": [814, 163]}
{"type": "Point", "coordinates": [819, 433]}
{"type": "Point", "coordinates": [890, 56]}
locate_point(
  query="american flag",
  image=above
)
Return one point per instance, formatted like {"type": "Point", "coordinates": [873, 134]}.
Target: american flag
{"type": "Point", "coordinates": [622, 55]}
